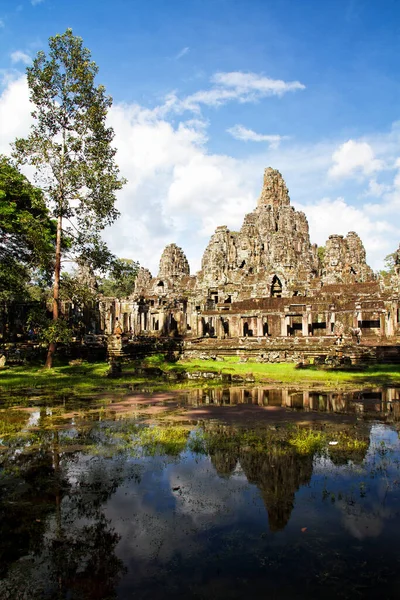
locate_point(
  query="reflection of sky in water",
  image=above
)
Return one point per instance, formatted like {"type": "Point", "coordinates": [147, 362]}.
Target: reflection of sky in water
{"type": "Point", "coordinates": [184, 513]}
{"type": "Point", "coordinates": [185, 529]}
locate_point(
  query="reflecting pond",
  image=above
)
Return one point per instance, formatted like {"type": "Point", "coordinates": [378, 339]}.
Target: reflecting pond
{"type": "Point", "coordinates": [211, 493]}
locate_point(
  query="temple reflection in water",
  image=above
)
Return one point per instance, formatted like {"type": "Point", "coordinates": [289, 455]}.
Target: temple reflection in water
{"type": "Point", "coordinates": [381, 402]}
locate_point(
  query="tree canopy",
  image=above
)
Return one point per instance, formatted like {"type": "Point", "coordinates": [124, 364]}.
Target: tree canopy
{"type": "Point", "coordinates": [121, 278]}
{"type": "Point", "coordinates": [27, 233]}
{"type": "Point", "coordinates": [70, 148]}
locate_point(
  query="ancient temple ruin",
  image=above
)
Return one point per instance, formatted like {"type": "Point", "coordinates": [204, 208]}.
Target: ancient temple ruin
{"type": "Point", "coordinates": [265, 282]}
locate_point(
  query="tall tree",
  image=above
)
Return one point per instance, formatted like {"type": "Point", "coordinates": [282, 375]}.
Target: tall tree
{"type": "Point", "coordinates": [27, 234]}
{"type": "Point", "coordinates": [70, 148]}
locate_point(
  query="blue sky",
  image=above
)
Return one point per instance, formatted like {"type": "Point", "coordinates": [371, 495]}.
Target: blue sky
{"type": "Point", "coordinates": [207, 93]}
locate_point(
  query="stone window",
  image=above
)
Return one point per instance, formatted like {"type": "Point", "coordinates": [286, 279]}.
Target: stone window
{"type": "Point", "coordinates": [370, 324]}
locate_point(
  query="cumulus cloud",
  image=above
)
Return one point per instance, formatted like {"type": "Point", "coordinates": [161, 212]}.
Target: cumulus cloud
{"type": "Point", "coordinates": [248, 135]}
{"type": "Point", "coordinates": [20, 57]}
{"type": "Point", "coordinates": [328, 216]}
{"type": "Point", "coordinates": [375, 189]}
{"type": "Point", "coordinates": [15, 110]}
{"type": "Point", "coordinates": [354, 157]}
{"type": "Point", "coordinates": [179, 191]}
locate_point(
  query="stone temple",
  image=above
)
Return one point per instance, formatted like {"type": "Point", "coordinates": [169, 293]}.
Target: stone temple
{"type": "Point", "coordinates": [263, 284]}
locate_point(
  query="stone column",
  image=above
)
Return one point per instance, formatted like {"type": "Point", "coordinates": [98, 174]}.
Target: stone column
{"type": "Point", "coordinates": [218, 328]}
{"type": "Point", "coordinates": [111, 323]}
{"type": "Point", "coordinates": [259, 327]}
{"type": "Point", "coordinates": [304, 324]}
{"type": "Point", "coordinates": [283, 326]}
{"type": "Point", "coordinates": [390, 322]}
{"type": "Point", "coordinates": [357, 315]}
{"type": "Point", "coordinates": [382, 319]}
{"type": "Point", "coordinates": [161, 321]}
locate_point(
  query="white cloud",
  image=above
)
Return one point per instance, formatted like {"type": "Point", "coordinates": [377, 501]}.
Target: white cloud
{"type": "Point", "coordinates": [354, 158]}
{"type": "Point", "coordinates": [375, 189]}
{"type": "Point", "coordinates": [239, 86]}
{"type": "Point", "coordinates": [20, 57]}
{"type": "Point", "coordinates": [179, 191]}
{"type": "Point", "coordinates": [15, 110]}
{"type": "Point", "coordinates": [335, 216]}
{"type": "Point", "coordinates": [2, 23]}
{"type": "Point", "coordinates": [248, 135]}
{"type": "Point", "coordinates": [389, 197]}
{"type": "Point", "coordinates": [253, 83]}
{"type": "Point", "coordinates": [182, 52]}
{"type": "Point", "coordinates": [36, 2]}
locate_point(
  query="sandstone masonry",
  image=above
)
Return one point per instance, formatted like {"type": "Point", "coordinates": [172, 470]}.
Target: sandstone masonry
{"type": "Point", "coordinates": [266, 281]}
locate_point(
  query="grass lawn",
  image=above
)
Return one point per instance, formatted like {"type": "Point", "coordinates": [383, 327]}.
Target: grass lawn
{"type": "Point", "coordinates": [90, 377]}
{"type": "Point", "coordinates": [288, 373]}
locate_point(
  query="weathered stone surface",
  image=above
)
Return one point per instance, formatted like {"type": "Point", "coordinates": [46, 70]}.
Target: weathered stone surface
{"type": "Point", "coordinates": [173, 263]}
{"type": "Point", "coordinates": [270, 256]}
{"type": "Point", "coordinates": [274, 192]}
{"type": "Point", "coordinates": [345, 260]}
{"type": "Point", "coordinates": [142, 281]}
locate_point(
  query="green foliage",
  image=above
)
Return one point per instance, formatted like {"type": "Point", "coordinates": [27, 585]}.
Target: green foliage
{"type": "Point", "coordinates": [321, 253]}
{"type": "Point", "coordinates": [27, 233]}
{"type": "Point", "coordinates": [46, 329]}
{"type": "Point", "coordinates": [57, 331]}
{"type": "Point", "coordinates": [37, 318]}
{"type": "Point", "coordinates": [78, 289]}
{"type": "Point", "coordinates": [70, 148]}
{"type": "Point", "coordinates": [70, 144]}
{"type": "Point", "coordinates": [389, 263]}
{"type": "Point", "coordinates": [121, 278]}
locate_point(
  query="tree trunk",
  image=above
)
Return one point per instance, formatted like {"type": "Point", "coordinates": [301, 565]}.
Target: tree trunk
{"type": "Point", "coordinates": [56, 290]}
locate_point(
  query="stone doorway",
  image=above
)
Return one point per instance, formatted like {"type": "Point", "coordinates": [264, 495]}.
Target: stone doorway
{"type": "Point", "coordinates": [276, 288]}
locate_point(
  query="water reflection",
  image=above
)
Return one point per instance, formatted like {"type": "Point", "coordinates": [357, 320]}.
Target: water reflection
{"type": "Point", "coordinates": [380, 402]}
{"type": "Point", "coordinates": [94, 508]}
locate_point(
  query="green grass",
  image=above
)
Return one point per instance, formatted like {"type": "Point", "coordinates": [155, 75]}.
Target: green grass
{"type": "Point", "coordinates": [288, 373]}
{"type": "Point", "coordinates": [89, 378]}
{"type": "Point", "coordinates": [61, 381]}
